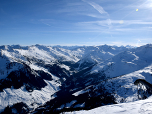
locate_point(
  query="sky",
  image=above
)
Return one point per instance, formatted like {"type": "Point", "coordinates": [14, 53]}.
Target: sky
{"type": "Point", "coordinates": [75, 22]}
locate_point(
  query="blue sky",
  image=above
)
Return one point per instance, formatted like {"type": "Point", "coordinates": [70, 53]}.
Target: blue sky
{"type": "Point", "coordinates": [75, 22]}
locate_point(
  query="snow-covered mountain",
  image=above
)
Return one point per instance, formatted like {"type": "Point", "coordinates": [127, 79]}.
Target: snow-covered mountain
{"type": "Point", "coordinates": [94, 54]}
{"type": "Point", "coordinates": [53, 79]}
{"type": "Point", "coordinates": [126, 62]}
{"type": "Point", "coordinates": [121, 71]}
{"type": "Point", "coordinates": [30, 75]}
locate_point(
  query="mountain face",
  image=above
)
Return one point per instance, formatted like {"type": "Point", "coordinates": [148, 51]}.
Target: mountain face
{"type": "Point", "coordinates": [45, 79]}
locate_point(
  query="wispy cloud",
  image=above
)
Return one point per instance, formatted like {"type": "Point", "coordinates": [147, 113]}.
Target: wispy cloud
{"type": "Point", "coordinates": [48, 22]}
{"type": "Point", "coordinates": [55, 23]}
{"type": "Point", "coordinates": [76, 31]}
{"type": "Point", "coordinates": [84, 7]}
{"type": "Point", "coordinates": [93, 10]}
{"type": "Point", "coordinates": [103, 23]}
{"type": "Point", "coordinates": [72, 7]}
{"type": "Point", "coordinates": [129, 22]}
{"type": "Point", "coordinates": [96, 7]}
{"type": "Point", "coordinates": [98, 16]}
{"type": "Point", "coordinates": [106, 23]}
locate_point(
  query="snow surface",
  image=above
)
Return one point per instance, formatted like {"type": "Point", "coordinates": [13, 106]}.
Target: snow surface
{"type": "Point", "coordinates": [65, 66]}
{"type": "Point", "coordinates": [36, 67]}
{"type": "Point", "coordinates": [80, 92]}
{"type": "Point", "coordinates": [126, 62]}
{"type": "Point", "coordinates": [4, 71]}
{"type": "Point", "coordinates": [137, 107]}
{"type": "Point", "coordinates": [123, 86]}
{"type": "Point", "coordinates": [33, 99]}
{"type": "Point", "coordinates": [79, 105]}
{"type": "Point", "coordinates": [96, 54]}
{"type": "Point", "coordinates": [68, 105]}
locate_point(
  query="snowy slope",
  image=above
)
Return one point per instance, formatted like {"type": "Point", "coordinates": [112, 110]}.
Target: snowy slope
{"type": "Point", "coordinates": [121, 71]}
{"type": "Point", "coordinates": [137, 107]}
{"type": "Point", "coordinates": [48, 53]}
{"type": "Point", "coordinates": [30, 74]}
{"type": "Point", "coordinates": [95, 54]}
{"type": "Point", "coordinates": [122, 87]}
{"type": "Point", "coordinates": [126, 62]}
{"type": "Point", "coordinates": [124, 90]}
{"type": "Point", "coordinates": [33, 99]}
{"type": "Point", "coordinates": [20, 83]}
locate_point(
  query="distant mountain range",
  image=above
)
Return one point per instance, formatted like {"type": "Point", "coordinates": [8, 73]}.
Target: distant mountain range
{"type": "Point", "coordinates": [55, 79]}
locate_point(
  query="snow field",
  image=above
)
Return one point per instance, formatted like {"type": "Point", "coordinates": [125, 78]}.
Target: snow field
{"type": "Point", "coordinates": [137, 107]}
{"type": "Point", "coordinates": [32, 99]}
